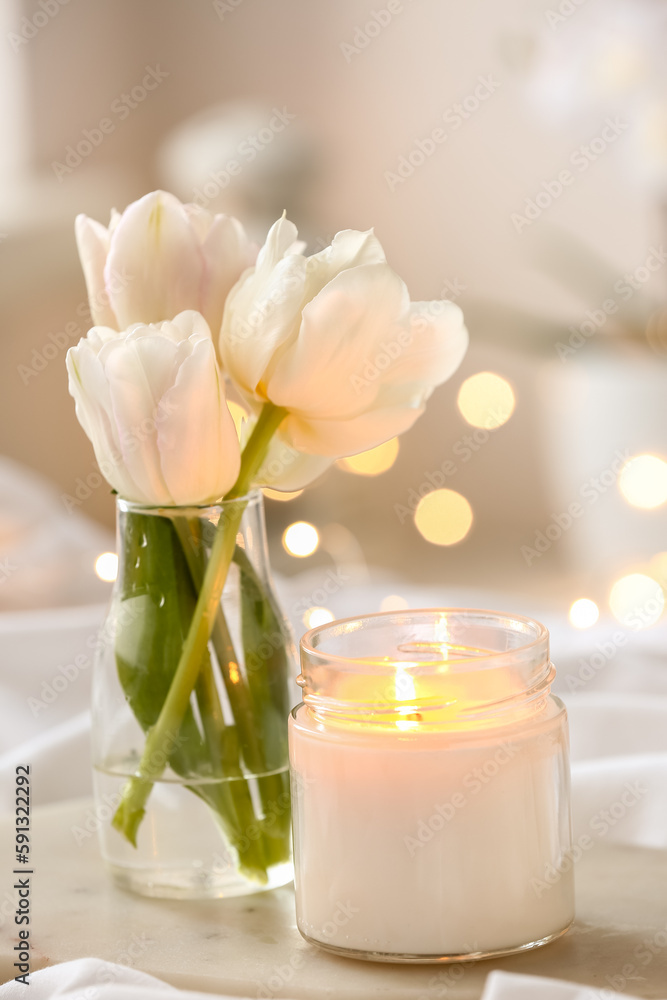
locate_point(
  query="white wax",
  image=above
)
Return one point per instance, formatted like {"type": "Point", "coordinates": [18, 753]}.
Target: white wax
{"type": "Point", "coordinates": [402, 848]}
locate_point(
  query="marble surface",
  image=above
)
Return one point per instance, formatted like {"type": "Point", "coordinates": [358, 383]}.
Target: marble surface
{"type": "Point", "coordinates": [249, 947]}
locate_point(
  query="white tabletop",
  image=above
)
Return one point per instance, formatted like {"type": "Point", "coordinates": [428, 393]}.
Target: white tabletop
{"type": "Point", "coordinates": [250, 947]}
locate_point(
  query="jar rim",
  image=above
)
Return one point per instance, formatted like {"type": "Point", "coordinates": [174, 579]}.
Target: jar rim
{"type": "Point", "coordinates": [313, 652]}
{"type": "Point", "coordinates": [437, 668]}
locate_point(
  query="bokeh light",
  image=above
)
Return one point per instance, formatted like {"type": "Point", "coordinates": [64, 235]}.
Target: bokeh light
{"type": "Point", "coordinates": [393, 602]}
{"type": "Point", "coordinates": [277, 495]}
{"type": "Point", "coordinates": [643, 481]}
{"type": "Point", "coordinates": [443, 517]}
{"type": "Point", "coordinates": [372, 462]}
{"type": "Point", "coordinates": [106, 566]}
{"type": "Point", "coordinates": [620, 66]}
{"type": "Point", "coordinates": [584, 613]}
{"type": "Point", "coordinates": [658, 569]}
{"type": "Point", "coordinates": [486, 400]}
{"type": "Point", "coordinates": [637, 600]}
{"type": "Point", "coordinates": [301, 539]}
{"type": "Point", "coordinates": [317, 616]}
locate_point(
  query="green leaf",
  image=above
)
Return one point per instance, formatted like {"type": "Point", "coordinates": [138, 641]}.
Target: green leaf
{"type": "Point", "coordinates": [156, 605]}
{"type": "Point", "coordinates": [267, 662]}
{"type": "Point", "coordinates": [267, 647]}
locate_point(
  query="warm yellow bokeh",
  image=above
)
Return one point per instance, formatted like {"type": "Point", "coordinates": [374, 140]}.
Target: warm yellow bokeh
{"type": "Point", "coordinates": [584, 613]}
{"type": "Point", "coordinates": [106, 566]}
{"type": "Point", "coordinates": [637, 600]}
{"type": "Point", "coordinates": [301, 539]}
{"type": "Point", "coordinates": [486, 400]}
{"type": "Point", "coordinates": [643, 481]}
{"type": "Point", "coordinates": [277, 495]}
{"type": "Point", "coordinates": [443, 517]}
{"type": "Point", "coordinates": [317, 616]}
{"type": "Point", "coordinates": [372, 462]}
{"type": "Point", "coordinates": [393, 602]}
{"type": "Point", "coordinates": [658, 569]}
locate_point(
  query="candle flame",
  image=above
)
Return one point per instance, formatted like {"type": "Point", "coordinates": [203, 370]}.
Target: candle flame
{"type": "Point", "coordinates": [404, 686]}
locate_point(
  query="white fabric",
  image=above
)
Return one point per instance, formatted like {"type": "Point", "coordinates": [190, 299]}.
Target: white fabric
{"type": "Point", "coordinates": [48, 546]}
{"type": "Point", "coordinates": [508, 986]}
{"type": "Point", "coordinates": [93, 979]}
{"type": "Point", "coordinates": [45, 673]}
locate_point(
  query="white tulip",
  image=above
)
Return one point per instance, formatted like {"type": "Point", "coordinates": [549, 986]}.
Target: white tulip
{"type": "Point", "coordinates": [287, 469]}
{"type": "Point", "coordinates": [335, 340]}
{"type": "Point", "coordinates": [152, 402]}
{"type": "Point", "coordinates": [284, 468]}
{"type": "Point", "coordinates": [159, 258]}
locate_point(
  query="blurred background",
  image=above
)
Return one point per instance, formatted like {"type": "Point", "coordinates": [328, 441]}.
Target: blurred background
{"type": "Point", "coordinates": [511, 156]}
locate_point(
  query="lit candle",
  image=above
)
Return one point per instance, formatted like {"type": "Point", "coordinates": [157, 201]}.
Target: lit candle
{"type": "Point", "coordinates": [430, 787]}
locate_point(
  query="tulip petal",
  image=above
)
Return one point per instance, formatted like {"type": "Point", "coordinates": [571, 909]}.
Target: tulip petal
{"type": "Point", "coordinates": [227, 253]}
{"type": "Point", "coordinates": [262, 313]}
{"type": "Point", "coordinates": [340, 438]}
{"type": "Point", "coordinates": [89, 386]}
{"type": "Point", "coordinates": [158, 251]}
{"type": "Point", "coordinates": [199, 219]}
{"type": "Point", "coordinates": [287, 469]}
{"type": "Point", "coordinates": [188, 325]}
{"type": "Point", "coordinates": [92, 240]}
{"type": "Point", "coordinates": [280, 239]}
{"type": "Point", "coordinates": [349, 248]}
{"type": "Point", "coordinates": [196, 437]}
{"type": "Point", "coordinates": [350, 335]}
{"type": "Point", "coordinates": [260, 318]}
{"type": "Point", "coordinates": [436, 344]}
{"type": "Point", "coordinates": [139, 371]}
{"type": "Point", "coordinates": [432, 353]}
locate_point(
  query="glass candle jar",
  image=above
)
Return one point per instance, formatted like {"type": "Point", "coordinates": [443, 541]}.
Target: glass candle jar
{"type": "Point", "coordinates": [430, 788]}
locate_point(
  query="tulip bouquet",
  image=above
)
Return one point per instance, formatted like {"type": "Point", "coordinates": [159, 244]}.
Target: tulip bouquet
{"type": "Point", "coordinates": [330, 358]}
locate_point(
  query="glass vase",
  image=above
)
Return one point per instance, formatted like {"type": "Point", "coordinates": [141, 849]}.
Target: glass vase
{"type": "Point", "coordinates": [190, 762]}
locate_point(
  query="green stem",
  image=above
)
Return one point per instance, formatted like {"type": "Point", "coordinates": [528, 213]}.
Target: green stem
{"type": "Point", "coordinates": [231, 801]}
{"type": "Point", "coordinates": [235, 688]}
{"type": "Point", "coordinates": [132, 807]}
{"type": "Point", "coordinates": [256, 448]}
{"type": "Point", "coordinates": [210, 709]}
